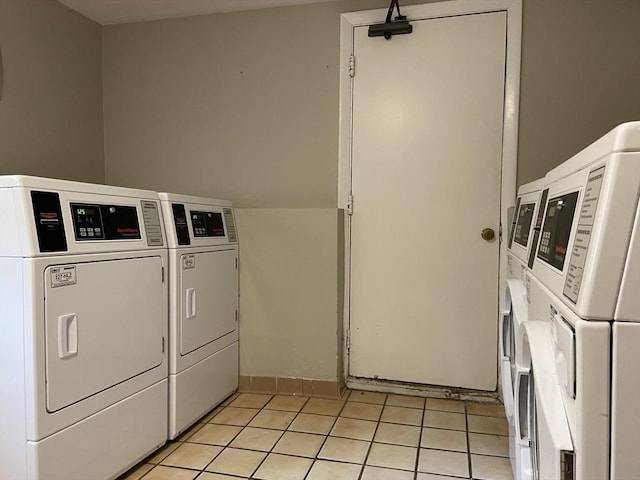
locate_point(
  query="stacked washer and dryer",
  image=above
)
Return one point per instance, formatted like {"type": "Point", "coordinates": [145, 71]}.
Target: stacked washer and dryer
{"type": "Point", "coordinates": [582, 336]}
{"type": "Point", "coordinates": [87, 287]}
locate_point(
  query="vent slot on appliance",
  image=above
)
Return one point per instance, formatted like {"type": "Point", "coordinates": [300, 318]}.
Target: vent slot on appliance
{"type": "Point", "coordinates": [231, 226]}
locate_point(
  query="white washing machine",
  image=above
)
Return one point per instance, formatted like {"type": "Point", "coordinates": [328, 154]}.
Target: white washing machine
{"type": "Point", "coordinates": [514, 373]}
{"type": "Point", "coordinates": [203, 306]}
{"type": "Point", "coordinates": [588, 259]}
{"type": "Point", "coordinates": [83, 307]}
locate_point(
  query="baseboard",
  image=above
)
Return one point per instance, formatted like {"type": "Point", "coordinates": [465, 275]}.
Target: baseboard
{"type": "Point", "coordinates": [292, 386]}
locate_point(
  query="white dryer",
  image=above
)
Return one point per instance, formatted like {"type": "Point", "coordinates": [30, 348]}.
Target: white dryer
{"type": "Point", "coordinates": [589, 261]}
{"type": "Point", "coordinates": [203, 306]}
{"type": "Point", "coordinates": [514, 372]}
{"type": "Point", "coordinates": [83, 308]}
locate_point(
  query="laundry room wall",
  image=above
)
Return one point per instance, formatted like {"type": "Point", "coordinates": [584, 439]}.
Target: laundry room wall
{"type": "Point", "coordinates": [580, 77]}
{"type": "Point", "coordinates": [51, 106]}
{"type": "Point", "coordinates": [245, 106]}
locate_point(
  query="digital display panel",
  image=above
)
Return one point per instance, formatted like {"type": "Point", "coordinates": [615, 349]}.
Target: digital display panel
{"type": "Point", "coordinates": [180, 221]}
{"type": "Point", "coordinates": [523, 224]}
{"type": "Point", "coordinates": [207, 224]}
{"type": "Point", "coordinates": [105, 222]}
{"type": "Point", "coordinates": [48, 219]}
{"type": "Point", "coordinates": [87, 222]}
{"type": "Point", "coordinates": [554, 238]}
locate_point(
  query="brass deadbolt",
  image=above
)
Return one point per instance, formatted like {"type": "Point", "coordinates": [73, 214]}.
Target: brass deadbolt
{"type": "Point", "coordinates": [488, 234]}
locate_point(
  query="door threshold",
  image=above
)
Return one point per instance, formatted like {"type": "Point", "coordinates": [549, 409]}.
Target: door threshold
{"type": "Point", "coordinates": [421, 390]}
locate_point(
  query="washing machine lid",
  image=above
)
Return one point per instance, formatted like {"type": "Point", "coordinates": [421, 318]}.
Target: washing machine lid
{"type": "Point", "coordinates": [198, 221]}
{"type": "Point", "coordinates": [45, 216]}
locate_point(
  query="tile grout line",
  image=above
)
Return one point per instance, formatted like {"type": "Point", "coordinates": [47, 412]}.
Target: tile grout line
{"type": "Point", "coordinates": [466, 425]}
{"type": "Point", "coordinates": [375, 431]}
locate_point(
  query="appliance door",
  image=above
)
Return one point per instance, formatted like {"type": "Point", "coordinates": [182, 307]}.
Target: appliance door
{"type": "Point", "coordinates": [506, 361]}
{"type": "Point", "coordinates": [103, 325]}
{"type": "Point", "coordinates": [208, 298]}
{"type": "Point", "coordinates": [551, 447]}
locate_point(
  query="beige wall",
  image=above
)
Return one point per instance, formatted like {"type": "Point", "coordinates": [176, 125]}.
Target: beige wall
{"type": "Point", "coordinates": [289, 277]}
{"type": "Point", "coordinates": [51, 106]}
{"type": "Point", "coordinates": [245, 106]}
{"type": "Point", "coordinates": [580, 77]}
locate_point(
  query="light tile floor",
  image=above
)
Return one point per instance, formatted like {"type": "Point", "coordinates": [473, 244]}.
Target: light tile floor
{"type": "Point", "coordinates": [365, 436]}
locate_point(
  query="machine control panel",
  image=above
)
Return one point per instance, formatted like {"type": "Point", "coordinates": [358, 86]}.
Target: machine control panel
{"type": "Point", "coordinates": [207, 224]}
{"type": "Point", "coordinates": [48, 219]}
{"type": "Point", "coordinates": [105, 222]}
{"type": "Point", "coordinates": [523, 224]}
{"type": "Point", "coordinates": [513, 222]}
{"type": "Point", "coordinates": [558, 221]}
{"type": "Point", "coordinates": [537, 227]}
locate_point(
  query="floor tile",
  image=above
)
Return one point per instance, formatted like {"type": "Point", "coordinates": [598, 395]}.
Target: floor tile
{"type": "Point", "coordinates": [368, 397]}
{"type": "Point", "coordinates": [234, 416]}
{"type": "Point", "coordinates": [405, 401]}
{"type": "Point", "coordinates": [344, 450]}
{"type": "Point", "coordinates": [309, 423]}
{"type": "Point", "coordinates": [230, 399]}
{"type": "Point", "coordinates": [488, 409]}
{"type": "Point", "coordinates": [354, 428]}
{"type": "Point", "coordinates": [283, 467]}
{"type": "Point", "coordinates": [362, 411]}
{"type": "Point", "coordinates": [480, 424]}
{"type": "Point", "coordinates": [137, 472]}
{"type": "Point", "coordinates": [215, 476]}
{"type": "Point", "coordinates": [326, 470]}
{"type": "Point", "coordinates": [378, 473]}
{"type": "Point", "coordinates": [397, 434]}
{"type": "Point", "coordinates": [443, 462]}
{"type": "Point", "coordinates": [445, 405]}
{"type": "Point", "coordinates": [260, 439]}
{"type": "Point", "coordinates": [444, 439]}
{"type": "Point", "coordinates": [452, 421]}
{"type": "Point", "coordinates": [392, 456]}
{"type": "Point", "coordinates": [233, 461]}
{"type": "Point", "coordinates": [251, 400]}
{"type": "Point", "coordinates": [428, 476]}
{"type": "Point", "coordinates": [299, 444]}
{"type": "Point", "coordinates": [289, 403]}
{"type": "Point", "coordinates": [407, 416]}
{"type": "Point", "coordinates": [192, 455]}
{"type": "Point", "coordinates": [189, 432]}
{"type": "Point", "coordinates": [212, 414]}
{"type": "Point", "coordinates": [484, 444]}
{"type": "Point", "coordinates": [170, 473]}
{"type": "Point", "coordinates": [215, 434]}
{"type": "Point", "coordinates": [163, 453]}
{"type": "Point", "coordinates": [323, 406]}
{"type": "Point", "coordinates": [274, 419]}
{"type": "Point", "coordinates": [490, 468]}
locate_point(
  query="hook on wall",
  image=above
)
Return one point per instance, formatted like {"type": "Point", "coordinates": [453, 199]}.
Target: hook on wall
{"type": "Point", "coordinates": [398, 26]}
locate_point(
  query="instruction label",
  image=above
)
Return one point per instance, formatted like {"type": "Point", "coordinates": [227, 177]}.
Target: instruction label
{"type": "Point", "coordinates": [151, 219]}
{"type": "Point", "coordinates": [62, 276]}
{"type": "Point", "coordinates": [583, 235]}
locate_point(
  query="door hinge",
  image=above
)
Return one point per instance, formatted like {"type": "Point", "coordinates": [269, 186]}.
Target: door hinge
{"type": "Point", "coordinates": [350, 205]}
{"type": "Point", "coordinates": [348, 341]}
{"type": "Point", "coordinates": [162, 344]}
{"type": "Point", "coordinates": [352, 66]}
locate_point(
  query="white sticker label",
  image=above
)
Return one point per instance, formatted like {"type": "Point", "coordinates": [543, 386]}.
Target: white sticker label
{"type": "Point", "coordinates": [62, 276]}
{"type": "Point", "coordinates": [188, 261]}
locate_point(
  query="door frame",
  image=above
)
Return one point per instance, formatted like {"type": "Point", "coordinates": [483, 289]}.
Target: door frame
{"type": "Point", "coordinates": [348, 23]}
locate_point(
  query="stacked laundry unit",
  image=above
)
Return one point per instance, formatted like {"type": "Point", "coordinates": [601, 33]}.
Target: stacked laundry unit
{"type": "Point", "coordinates": [83, 309]}
{"type": "Point", "coordinates": [522, 241]}
{"type": "Point", "coordinates": [583, 335]}
{"type": "Point", "coordinates": [203, 315]}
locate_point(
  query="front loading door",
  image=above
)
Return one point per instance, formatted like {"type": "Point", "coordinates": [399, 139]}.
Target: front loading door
{"type": "Point", "coordinates": [209, 298]}
{"type": "Point", "coordinates": [426, 177]}
{"type": "Point", "coordinates": [103, 325]}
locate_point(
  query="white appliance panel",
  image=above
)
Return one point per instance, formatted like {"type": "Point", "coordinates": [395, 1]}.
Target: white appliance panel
{"type": "Point", "coordinates": [209, 297]}
{"type": "Point", "coordinates": [112, 315]}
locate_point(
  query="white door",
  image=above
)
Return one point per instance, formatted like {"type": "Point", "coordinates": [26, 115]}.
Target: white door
{"type": "Point", "coordinates": [103, 327]}
{"type": "Point", "coordinates": [426, 165]}
{"type": "Point", "coordinates": [209, 298]}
